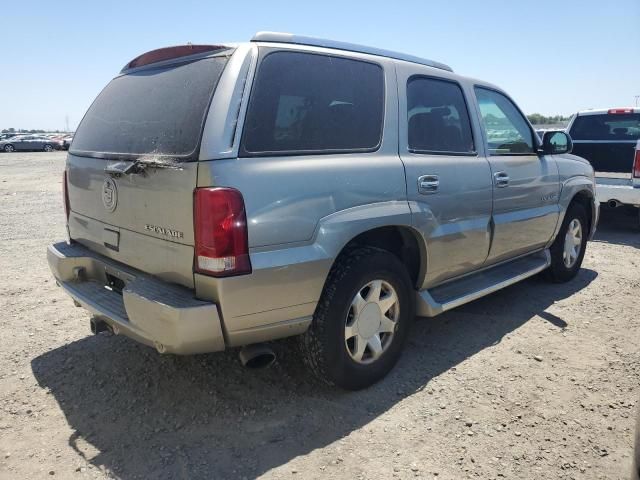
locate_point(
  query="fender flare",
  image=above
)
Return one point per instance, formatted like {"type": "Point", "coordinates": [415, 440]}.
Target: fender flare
{"type": "Point", "coordinates": [568, 191]}
{"type": "Point", "coordinates": [334, 232]}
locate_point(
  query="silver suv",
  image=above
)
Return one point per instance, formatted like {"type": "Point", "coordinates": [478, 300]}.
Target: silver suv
{"type": "Point", "coordinates": [225, 196]}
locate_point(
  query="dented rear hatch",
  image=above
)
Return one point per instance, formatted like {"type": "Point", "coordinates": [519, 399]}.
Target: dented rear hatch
{"type": "Point", "coordinates": [132, 166]}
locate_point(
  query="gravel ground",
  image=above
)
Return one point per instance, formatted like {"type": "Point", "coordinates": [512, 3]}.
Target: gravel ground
{"type": "Point", "coordinates": [536, 381]}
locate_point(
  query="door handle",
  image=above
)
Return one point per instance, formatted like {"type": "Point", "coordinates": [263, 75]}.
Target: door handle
{"type": "Point", "coordinates": [501, 179]}
{"type": "Point", "coordinates": [428, 184]}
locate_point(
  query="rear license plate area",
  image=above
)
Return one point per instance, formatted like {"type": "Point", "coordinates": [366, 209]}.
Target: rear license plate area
{"type": "Point", "coordinates": [111, 239]}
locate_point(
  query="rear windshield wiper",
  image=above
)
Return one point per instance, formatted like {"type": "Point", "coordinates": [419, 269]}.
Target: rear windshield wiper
{"type": "Point", "coordinates": [139, 166]}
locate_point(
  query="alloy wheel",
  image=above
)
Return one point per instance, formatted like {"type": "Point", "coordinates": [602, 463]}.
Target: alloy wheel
{"type": "Point", "coordinates": [372, 321]}
{"type": "Point", "coordinates": [572, 243]}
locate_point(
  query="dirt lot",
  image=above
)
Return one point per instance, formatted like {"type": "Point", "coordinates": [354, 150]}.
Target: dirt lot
{"type": "Point", "coordinates": [537, 381]}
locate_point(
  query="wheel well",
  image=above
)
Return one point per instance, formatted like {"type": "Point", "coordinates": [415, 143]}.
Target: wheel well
{"type": "Point", "coordinates": [401, 241]}
{"type": "Point", "coordinates": [585, 199]}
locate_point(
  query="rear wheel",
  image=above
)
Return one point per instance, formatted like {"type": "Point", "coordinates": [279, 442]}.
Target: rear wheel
{"type": "Point", "coordinates": [362, 320]}
{"type": "Point", "coordinates": [48, 148]}
{"type": "Point", "coordinates": [9, 148]}
{"type": "Point", "coordinates": [567, 250]}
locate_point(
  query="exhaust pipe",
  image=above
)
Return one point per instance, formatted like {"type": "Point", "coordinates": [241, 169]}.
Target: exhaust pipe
{"type": "Point", "coordinates": [99, 326]}
{"type": "Point", "coordinates": [258, 355]}
{"type": "Point", "coordinates": [613, 203]}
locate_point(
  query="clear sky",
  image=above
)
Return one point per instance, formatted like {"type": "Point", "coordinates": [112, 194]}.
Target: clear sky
{"type": "Point", "coordinates": [552, 56]}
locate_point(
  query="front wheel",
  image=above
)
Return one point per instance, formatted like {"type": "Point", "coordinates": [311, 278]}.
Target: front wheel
{"type": "Point", "coordinates": [9, 148]}
{"type": "Point", "coordinates": [567, 250]}
{"type": "Point", "coordinates": [48, 148]}
{"type": "Point", "coordinates": [362, 320]}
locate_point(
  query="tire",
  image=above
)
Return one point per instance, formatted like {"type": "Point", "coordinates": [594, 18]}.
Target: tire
{"type": "Point", "coordinates": [565, 266]}
{"type": "Point", "coordinates": [352, 363]}
{"type": "Point", "coordinates": [48, 148]}
{"type": "Point", "coordinates": [9, 148]}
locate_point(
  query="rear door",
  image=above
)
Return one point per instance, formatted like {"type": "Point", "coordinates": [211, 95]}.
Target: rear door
{"type": "Point", "coordinates": [142, 214]}
{"type": "Point", "coordinates": [39, 143]}
{"type": "Point", "coordinates": [448, 181]}
{"type": "Point", "coordinates": [607, 139]}
{"type": "Point", "coordinates": [526, 184]}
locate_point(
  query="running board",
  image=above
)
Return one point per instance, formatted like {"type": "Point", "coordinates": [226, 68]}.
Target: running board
{"type": "Point", "coordinates": [432, 302]}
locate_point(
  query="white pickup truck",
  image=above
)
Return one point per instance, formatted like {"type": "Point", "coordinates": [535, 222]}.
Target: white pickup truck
{"type": "Point", "coordinates": [610, 140]}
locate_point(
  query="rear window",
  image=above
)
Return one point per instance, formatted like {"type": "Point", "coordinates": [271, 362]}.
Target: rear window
{"type": "Point", "coordinates": [155, 111]}
{"type": "Point", "coordinates": [624, 126]}
{"type": "Point", "coordinates": [304, 103]}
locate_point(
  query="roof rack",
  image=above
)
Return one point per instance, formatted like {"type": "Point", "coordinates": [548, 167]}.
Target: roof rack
{"type": "Point", "coordinates": [277, 37]}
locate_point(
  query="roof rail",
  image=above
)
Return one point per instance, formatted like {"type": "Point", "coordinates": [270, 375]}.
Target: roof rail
{"type": "Point", "coordinates": [277, 37]}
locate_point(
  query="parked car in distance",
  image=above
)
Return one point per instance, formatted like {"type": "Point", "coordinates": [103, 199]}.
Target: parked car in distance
{"type": "Point", "coordinates": [30, 143]}
{"type": "Point", "coordinates": [540, 133]}
{"type": "Point", "coordinates": [610, 140]}
{"type": "Point", "coordinates": [5, 136]}
{"type": "Point", "coordinates": [310, 188]}
{"type": "Point", "coordinates": [66, 142]}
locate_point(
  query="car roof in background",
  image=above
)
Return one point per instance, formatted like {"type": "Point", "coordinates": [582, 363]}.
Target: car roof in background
{"type": "Point", "coordinates": [603, 111]}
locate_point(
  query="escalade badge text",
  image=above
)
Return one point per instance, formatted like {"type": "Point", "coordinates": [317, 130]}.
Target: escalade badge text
{"type": "Point", "coordinates": [109, 194]}
{"type": "Point", "coordinates": [167, 232]}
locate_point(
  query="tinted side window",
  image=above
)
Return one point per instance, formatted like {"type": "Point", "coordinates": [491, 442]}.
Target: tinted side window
{"type": "Point", "coordinates": [305, 102]}
{"type": "Point", "coordinates": [507, 130]}
{"type": "Point", "coordinates": [438, 120]}
{"type": "Point", "coordinates": [608, 126]}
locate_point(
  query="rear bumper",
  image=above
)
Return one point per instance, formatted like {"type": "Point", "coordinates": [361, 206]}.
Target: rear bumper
{"type": "Point", "coordinates": [151, 311]}
{"type": "Point", "coordinates": [617, 189]}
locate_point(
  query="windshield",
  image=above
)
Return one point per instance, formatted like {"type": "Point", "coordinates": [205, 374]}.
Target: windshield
{"type": "Point", "coordinates": [156, 111]}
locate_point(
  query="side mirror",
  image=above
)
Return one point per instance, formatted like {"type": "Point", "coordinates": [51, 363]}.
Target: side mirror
{"type": "Point", "coordinates": [556, 143]}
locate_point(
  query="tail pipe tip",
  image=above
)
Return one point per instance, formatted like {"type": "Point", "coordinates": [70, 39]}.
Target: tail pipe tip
{"type": "Point", "coordinates": [256, 356]}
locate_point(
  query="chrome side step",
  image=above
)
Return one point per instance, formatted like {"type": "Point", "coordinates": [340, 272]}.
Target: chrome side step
{"type": "Point", "coordinates": [432, 302]}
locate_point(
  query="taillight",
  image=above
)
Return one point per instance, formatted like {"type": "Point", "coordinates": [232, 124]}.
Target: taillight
{"type": "Point", "coordinates": [65, 195]}
{"type": "Point", "coordinates": [620, 110]}
{"type": "Point", "coordinates": [636, 163]}
{"type": "Point", "coordinates": [222, 245]}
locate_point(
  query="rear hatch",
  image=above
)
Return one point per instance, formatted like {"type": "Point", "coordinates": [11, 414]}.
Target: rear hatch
{"type": "Point", "coordinates": [607, 140]}
{"type": "Point", "coordinates": [132, 166]}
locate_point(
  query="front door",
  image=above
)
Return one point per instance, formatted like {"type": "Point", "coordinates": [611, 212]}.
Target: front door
{"type": "Point", "coordinates": [24, 143]}
{"type": "Point", "coordinates": [526, 183]}
{"type": "Point", "coordinates": [448, 182]}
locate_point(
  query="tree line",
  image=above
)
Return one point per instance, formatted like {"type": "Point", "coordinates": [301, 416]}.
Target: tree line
{"type": "Point", "coordinates": [23, 130]}
{"type": "Point", "coordinates": [539, 119]}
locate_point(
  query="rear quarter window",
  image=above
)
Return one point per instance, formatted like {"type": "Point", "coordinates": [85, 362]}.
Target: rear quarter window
{"type": "Point", "coordinates": [307, 103]}
{"type": "Point", "coordinates": [608, 126]}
